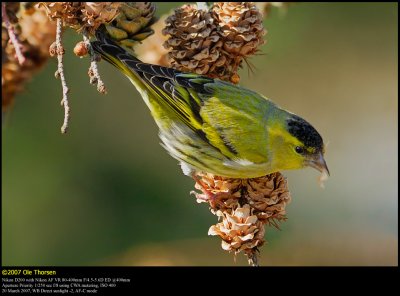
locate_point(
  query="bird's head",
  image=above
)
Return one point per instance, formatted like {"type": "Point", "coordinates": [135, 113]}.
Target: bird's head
{"type": "Point", "coordinates": [296, 144]}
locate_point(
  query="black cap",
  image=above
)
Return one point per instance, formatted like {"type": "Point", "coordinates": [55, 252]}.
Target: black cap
{"type": "Point", "coordinates": [304, 132]}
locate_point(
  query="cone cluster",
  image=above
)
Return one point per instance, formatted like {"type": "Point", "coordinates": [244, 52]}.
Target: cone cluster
{"type": "Point", "coordinates": [244, 207]}
{"type": "Point", "coordinates": [82, 15]}
{"type": "Point", "coordinates": [214, 42]}
{"type": "Point", "coordinates": [126, 22]}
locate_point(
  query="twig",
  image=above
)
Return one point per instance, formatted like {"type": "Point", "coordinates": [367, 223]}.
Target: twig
{"type": "Point", "coordinates": [93, 72]}
{"type": "Point", "coordinates": [60, 72]}
{"type": "Point", "coordinates": [13, 37]}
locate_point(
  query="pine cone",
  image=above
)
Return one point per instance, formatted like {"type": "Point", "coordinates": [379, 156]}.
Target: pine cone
{"type": "Point", "coordinates": [35, 33]}
{"type": "Point", "coordinates": [194, 43]}
{"type": "Point", "coordinates": [69, 12]}
{"type": "Point", "coordinates": [240, 230]}
{"type": "Point", "coordinates": [241, 28]}
{"type": "Point", "coordinates": [132, 23]}
{"type": "Point", "coordinates": [82, 15]}
{"type": "Point", "coordinates": [96, 13]}
{"type": "Point", "coordinates": [269, 196]}
{"type": "Point", "coordinates": [226, 191]}
{"type": "Point", "coordinates": [37, 30]}
{"type": "Point", "coordinates": [264, 198]}
{"type": "Point", "coordinates": [126, 22]}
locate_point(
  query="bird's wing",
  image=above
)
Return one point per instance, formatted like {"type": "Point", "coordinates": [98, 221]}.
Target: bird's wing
{"type": "Point", "coordinates": [237, 118]}
{"type": "Point", "coordinates": [196, 101]}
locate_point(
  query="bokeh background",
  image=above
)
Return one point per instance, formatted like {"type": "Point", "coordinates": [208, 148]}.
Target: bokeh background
{"type": "Point", "coordinates": [108, 194]}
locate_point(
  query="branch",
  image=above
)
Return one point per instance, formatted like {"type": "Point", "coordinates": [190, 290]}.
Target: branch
{"type": "Point", "coordinates": [93, 72]}
{"type": "Point", "coordinates": [60, 72]}
{"type": "Point", "coordinates": [252, 258]}
{"type": "Point", "coordinates": [11, 33]}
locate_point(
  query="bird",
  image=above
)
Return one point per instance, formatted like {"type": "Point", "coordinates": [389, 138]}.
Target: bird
{"type": "Point", "coordinates": [213, 126]}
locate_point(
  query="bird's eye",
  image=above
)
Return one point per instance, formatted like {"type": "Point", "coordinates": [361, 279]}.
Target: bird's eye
{"type": "Point", "coordinates": [299, 149]}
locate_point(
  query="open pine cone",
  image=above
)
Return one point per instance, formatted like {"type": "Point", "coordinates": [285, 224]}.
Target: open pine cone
{"type": "Point", "coordinates": [241, 29]}
{"type": "Point", "coordinates": [194, 43]}
{"type": "Point", "coordinates": [240, 229]}
{"type": "Point", "coordinates": [126, 22]}
{"type": "Point", "coordinates": [264, 199]}
{"type": "Point", "coordinates": [82, 15]}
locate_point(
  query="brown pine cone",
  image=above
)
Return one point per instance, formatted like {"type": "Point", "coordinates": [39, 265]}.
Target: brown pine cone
{"type": "Point", "coordinates": [126, 22]}
{"type": "Point", "coordinates": [82, 15]}
{"type": "Point", "coordinates": [194, 43]}
{"type": "Point", "coordinates": [241, 28]}
{"type": "Point", "coordinates": [240, 229]}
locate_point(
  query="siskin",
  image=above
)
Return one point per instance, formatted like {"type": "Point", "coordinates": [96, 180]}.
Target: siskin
{"type": "Point", "coordinates": [213, 126]}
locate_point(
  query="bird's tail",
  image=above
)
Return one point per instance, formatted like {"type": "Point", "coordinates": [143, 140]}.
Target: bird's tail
{"type": "Point", "coordinates": [117, 56]}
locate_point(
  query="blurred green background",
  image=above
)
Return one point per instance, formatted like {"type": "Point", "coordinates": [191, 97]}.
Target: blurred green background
{"type": "Point", "coordinates": [108, 194]}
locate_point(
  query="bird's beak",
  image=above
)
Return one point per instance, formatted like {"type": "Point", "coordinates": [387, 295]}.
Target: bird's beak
{"type": "Point", "coordinates": [318, 162]}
